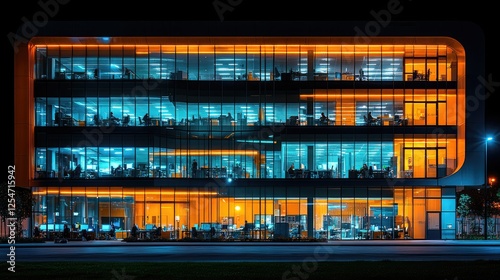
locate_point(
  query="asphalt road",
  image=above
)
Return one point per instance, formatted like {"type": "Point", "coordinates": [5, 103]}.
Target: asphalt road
{"type": "Point", "coordinates": [117, 251]}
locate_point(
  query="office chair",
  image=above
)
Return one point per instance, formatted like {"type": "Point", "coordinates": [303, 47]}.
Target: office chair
{"type": "Point", "coordinates": [277, 74]}
{"type": "Point", "coordinates": [126, 120]}
{"type": "Point", "coordinates": [140, 121]}
{"type": "Point", "coordinates": [97, 120]}
{"type": "Point", "coordinates": [397, 120]}
{"type": "Point", "coordinates": [58, 119]}
{"type": "Point", "coordinates": [369, 122]}
{"type": "Point", "coordinates": [370, 172]}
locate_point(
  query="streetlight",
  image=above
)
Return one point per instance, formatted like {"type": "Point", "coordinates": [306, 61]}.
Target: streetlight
{"type": "Point", "coordinates": [486, 188]}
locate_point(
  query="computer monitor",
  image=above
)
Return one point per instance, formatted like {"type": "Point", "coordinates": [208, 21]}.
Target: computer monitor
{"type": "Point", "coordinates": [84, 226]}
{"type": "Point", "coordinates": [206, 226]}
{"type": "Point", "coordinates": [106, 227]}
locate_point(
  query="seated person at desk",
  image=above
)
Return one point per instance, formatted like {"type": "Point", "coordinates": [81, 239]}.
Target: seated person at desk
{"type": "Point", "coordinates": [112, 231]}
{"type": "Point", "coordinates": [146, 119]}
{"type": "Point", "coordinates": [370, 119]}
{"type": "Point", "coordinates": [58, 118]}
{"type": "Point", "coordinates": [291, 171]}
{"type": "Point", "coordinates": [97, 120]}
{"type": "Point", "coordinates": [134, 231]}
{"type": "Point", "coordinates": [113, 120]}
{"type": "Point", "coordinates": [126, 120]}
{"type": "Point", "coordinates": [363, 172]}
{"type": "Point", "coordinates": [225, 120]}
{"type": "Point", "coordinates": [77, 172]}
{"type": "Point", "coordinates": [117, 171]}
{"type": "Point", "coordinates": [63, 119]}
{"type": "Point", "coordinates": [301, 172]}
{"type": "Point", "coordinates": [397, 120]}
{"type": "Point", "coordinates": [323, 119]}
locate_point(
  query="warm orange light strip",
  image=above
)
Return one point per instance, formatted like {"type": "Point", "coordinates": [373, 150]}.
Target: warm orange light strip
{"type": "Point", "coordinates": [284, 52]}
{"type": "Point", "coordinates": [258, 49]}
{"type": "Point", "coordinates": [119, 193]}
{"type": "Point", "coordinates": [204, 152]}
{"type": "Point", "coordinates": [362, 95]}
{"type": "Point", "coordinates": [410, 141]}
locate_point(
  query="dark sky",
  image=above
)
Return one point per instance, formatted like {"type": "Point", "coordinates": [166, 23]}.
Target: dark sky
{"type": "Point", "coordinates": [253, 10]}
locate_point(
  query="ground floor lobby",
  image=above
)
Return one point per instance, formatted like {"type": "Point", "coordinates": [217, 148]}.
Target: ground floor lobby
{"type": "Point", "coordinates": [267, 212]}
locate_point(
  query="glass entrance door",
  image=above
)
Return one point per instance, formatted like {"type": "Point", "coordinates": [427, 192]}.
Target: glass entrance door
{"type": "Point", "coordinates": [433, 225]}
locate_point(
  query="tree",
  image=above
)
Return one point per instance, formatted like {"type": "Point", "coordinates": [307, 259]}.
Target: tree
{"type": "Point", "coordinates": [23, 205]}
{"type": "Point", "coordinates": [480, 199]}
{"type": "Point", "coordinates": [463, 209]}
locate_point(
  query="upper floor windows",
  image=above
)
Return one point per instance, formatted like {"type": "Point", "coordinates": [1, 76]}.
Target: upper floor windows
{"type": "Point", "coordinates": [247, 62]}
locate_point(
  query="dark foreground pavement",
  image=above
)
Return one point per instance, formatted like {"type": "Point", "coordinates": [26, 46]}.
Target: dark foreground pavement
{"type": "Point", "coordinates": [358, 250]}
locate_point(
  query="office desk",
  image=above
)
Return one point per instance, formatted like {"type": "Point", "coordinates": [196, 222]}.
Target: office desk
{"type": "Point", "coordinates": [328, 122]}
{"type": "Point", "coordinates": [347, 76]}
{"type": "Point", "coordinates": [320, 76]}
{"type": "Point", "coordinates": [325, 174]}
{"type": "Point", "coordinates": [67, 121]}
{"type": "Point", "coordinates": [298, 173]}
{"type": "Point", "coordinates": [107, 122]}
{"type": "Point", "coordinates": [394, 233]}
{"type": "Point", "coordinates": [407, 174]}
{"type": "Point", "coordinates": [154, 122]}
{"type": "Point", "coordinates": [364, 234]}
{"type": "Point", "coordinates": [335, 234]}
{"type": "Point", "coordinates": [213, 172]}
{"type": "Point", "coordinates": [146, 234]}
{"type": "Point", "coordinates": [380, 174]}
{"type": "Point", "coordinates": [385, 120]}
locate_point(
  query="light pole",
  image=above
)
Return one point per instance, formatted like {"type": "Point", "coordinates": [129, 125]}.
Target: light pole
{"type": "Point", "coordinates": [486, 187]}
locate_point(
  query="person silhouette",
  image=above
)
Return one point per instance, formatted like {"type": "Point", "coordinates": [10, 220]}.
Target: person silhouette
{"type": "Point", "coordinates": [36, 232]}
{"type": "Point", "coordinates": [371, 119]}
{"type": "Point", "coordinates": [66, 231]}
{"type": "Point", "coordinates": [212, 232]}
{"type": "Point", "coordinates": [146, 119]}
{"type": "Point", "coordinates": [112, 232]}
{"type": "Point", "coordinates": [134, 231]}
{"type": "Point", "coordinates": [112, 119]}
{"type": "Point", "coordinates": [323, 119]}
{"type": "Point", "coordinates": [77, 171]}
{"type": "Point", "coordinates": [194, 168]}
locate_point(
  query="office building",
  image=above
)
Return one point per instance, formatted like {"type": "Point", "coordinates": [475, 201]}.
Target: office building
{"type": "Point", "coordinates": [110, 120]}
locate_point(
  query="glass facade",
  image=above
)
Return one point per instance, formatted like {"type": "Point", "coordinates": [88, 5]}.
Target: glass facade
{"type": "Point", "coordinates": [312, 140]}
{"type": "Point", "coordinates": [255, 117]}
{"type": "Point", "coordinates": [341, 213]}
